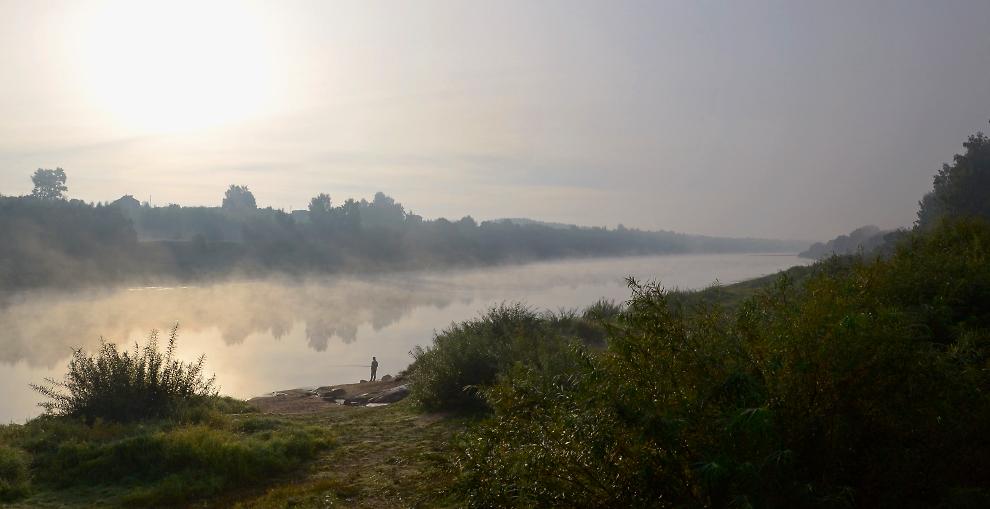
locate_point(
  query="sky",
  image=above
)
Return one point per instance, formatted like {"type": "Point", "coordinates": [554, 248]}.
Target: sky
{"type": "Point", "coordinates": [786, 119]}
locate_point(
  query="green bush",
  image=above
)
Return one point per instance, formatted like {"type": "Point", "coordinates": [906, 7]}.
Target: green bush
{"type": "Point", "coordinates": [605, 310]}
{"type": "Point", "coordinates": [585, 326]}
{"type": "Point", "coordinates": [868, 386]}
{"type": "Point", "coordinates": [127, 386]}
{"type": "Point", "coordinates": [152, 429]}
{"type": "Point", "coordinates": [470, 355]}
{"type": "Point", "coordinates": [13, 473]}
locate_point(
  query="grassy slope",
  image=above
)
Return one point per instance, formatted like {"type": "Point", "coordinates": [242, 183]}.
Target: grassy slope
{"type": "Point", "coordinates": [381, 459]}
{"type": "Point", "coordinates": [732, 295]}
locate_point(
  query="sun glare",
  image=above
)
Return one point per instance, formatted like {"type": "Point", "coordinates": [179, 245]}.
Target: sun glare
{"type": "Point", "coordinates": [178, 65]}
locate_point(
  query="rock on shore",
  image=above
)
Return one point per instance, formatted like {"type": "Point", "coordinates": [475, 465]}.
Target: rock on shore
{"type": "Point", "coordinates": [294, 401]}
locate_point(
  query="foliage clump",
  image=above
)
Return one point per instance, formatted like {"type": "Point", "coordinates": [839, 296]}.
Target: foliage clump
{"type": "Point", "coordinates": [962, 188]}
{"type": "Point", "coordinates": [867, 386]}
{"type": "Point", "coordinates": [467, 356]}
{"type": "Point", "coordinates": [238, 199]}
{"type": "Point", "coordinates": [14, 476]}
{"type": "Point", "coordinates": [49, 184]}
{"type": "Point", "coordinates": [121, 386]}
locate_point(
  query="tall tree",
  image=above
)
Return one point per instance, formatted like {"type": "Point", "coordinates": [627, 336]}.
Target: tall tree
{"type": "Point", "coordinates": [346, 217]}
{"type": "Point", "coordinates": [49, 184]}
{"type": "Point", "coordinates": [238, 199]}
{"type": "Point", "coordinates": [350, 216]}
{"type": "Point", "coordinates": [960, 189]}
{"type": "Point", "coordinates": [320, 209]}
{"type": "Point", "coordinates": [382, 212]}
{"type": "Point", "coordinates": [320, 204]}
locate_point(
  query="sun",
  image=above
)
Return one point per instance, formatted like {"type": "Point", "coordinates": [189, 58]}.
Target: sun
{"type": "Point", "coordinates": [179, 65]}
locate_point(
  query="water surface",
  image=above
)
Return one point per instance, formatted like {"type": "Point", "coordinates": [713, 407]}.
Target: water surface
{"type": "Point", "coordinates": [261, 336]}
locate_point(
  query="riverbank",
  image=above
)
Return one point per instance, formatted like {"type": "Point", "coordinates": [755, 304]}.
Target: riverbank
{"type": "Point", "coordinates": [296, 401]}
{"type": "Point", "coordinates": [348, 445]}
{"type": "Point", "coordinates": [265, 336]}
{"type": "Point", "coordinates": [387, 456]}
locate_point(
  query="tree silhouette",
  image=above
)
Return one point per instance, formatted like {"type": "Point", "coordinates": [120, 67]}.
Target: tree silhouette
{"type": "Point", "coordinates": [962, 189]}
{"type": "Point", "coordinates": [321, 210]}
{"type": "Point", "coordinates": [320, 204]}
{"type": "Point", "coordinates": [383, 211]}
{"type": "Point", "coordinates": [238, 199]}
{"type": "Point", "coordinates": [49, 184]}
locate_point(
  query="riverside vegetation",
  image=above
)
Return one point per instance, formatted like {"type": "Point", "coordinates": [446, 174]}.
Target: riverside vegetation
{"type": "Point", "coordinates": [863, 384]}
{"type": "Point", "coordinates": [144, 429]}
{"type": "Point", "coordinates": [862, 381]}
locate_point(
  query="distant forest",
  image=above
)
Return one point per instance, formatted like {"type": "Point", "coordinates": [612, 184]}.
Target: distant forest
{"type": "Point", "coordinates": [866, 239]}
{"type": "Point", "coordinates": [51, 241]}
{"type": "Point", "coordinates": [960, 190]}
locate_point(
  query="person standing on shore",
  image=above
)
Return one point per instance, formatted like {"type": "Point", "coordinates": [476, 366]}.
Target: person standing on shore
{"type": "Point", "coordinates": [374, 368]}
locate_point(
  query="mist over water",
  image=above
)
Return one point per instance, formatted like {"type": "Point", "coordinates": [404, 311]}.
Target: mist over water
{"type": "Point", "coordinates": [260, 336]}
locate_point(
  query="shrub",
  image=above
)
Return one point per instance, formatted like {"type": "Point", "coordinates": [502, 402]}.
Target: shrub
{"type": "Point", "coordinates": [605, 310]}
{"type": "Point", "coordinates": [153, 429]}
{"type": "Point", "coordinates": [470, 355]}
{"type": "Point", "coordinates": [868, 386]}
{"type": "Point", "coordinates": [127, 386]}
{"type": "Point", "coordinates": [13, 473]}
{"type": "Point", "coordinates": [568, 324]}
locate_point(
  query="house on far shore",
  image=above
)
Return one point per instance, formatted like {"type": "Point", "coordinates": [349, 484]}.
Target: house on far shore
{"type": "Point", "coordinates": [127, 202]}
{"type": "Point", "coordinates": [301, 216]}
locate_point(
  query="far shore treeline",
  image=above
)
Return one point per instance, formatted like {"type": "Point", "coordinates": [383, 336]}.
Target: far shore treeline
{"type": "Point", "coordinates": [51, 241]}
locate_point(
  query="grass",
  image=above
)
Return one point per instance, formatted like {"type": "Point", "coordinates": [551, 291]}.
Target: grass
{"type": "Point", "coordinates": [156, 463]}
{"type": "Point", "coordinates": [730, 297]}
{"type": "Point", "coordinates": [379, 457]}
{"type": "Point", "coordinates": [384, 458]}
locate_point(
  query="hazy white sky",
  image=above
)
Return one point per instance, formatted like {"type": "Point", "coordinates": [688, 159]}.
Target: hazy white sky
{"type": "Point", "coordinates": [773, 119]}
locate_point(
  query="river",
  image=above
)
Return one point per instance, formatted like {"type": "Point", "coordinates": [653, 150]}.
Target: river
{"type": "Point", "coordinates": [260, 336]}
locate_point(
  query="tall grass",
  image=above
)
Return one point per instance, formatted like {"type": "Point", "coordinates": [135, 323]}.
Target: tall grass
{"type": "Point", "coordinates": [126, 386]}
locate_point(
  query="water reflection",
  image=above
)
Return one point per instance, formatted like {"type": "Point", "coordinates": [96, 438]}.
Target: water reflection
{"type": "Point", "coordinates": [265, 335]}
{"type": "Point", "coordinates": [41, 327]}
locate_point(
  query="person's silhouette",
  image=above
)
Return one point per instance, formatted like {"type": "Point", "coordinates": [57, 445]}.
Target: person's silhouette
{"type": "Point", "coordinates": [374, 368]}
